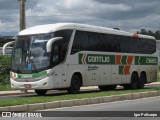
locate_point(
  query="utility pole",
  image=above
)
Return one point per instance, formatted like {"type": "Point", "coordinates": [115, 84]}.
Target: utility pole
{"type": "Point", "coordinates": [22, 14]}
{"type": "Point", "coordinates": [22, 20]}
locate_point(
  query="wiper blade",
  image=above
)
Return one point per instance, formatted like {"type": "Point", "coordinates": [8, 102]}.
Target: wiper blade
{"type": "Point", "coordinates": [18, 67]}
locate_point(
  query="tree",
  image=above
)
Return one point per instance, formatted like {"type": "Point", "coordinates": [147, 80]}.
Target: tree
{"type": "Point", "coordinates": [150, 32]}
{"type": "Point", "coordinates": [4, 40]}
{"type": "Point", "coordinates": [142, 31]}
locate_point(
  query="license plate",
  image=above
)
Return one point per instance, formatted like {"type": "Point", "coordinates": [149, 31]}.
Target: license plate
{"type": "Point", "coordinates": [27, 85]}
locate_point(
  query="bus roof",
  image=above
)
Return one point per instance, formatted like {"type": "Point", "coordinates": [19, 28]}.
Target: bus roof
{"type": "Point", "coordinates": [48, 28]}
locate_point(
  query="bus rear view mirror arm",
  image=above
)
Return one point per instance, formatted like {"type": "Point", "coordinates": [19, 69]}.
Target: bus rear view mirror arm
{"type": "Point", "coordinates": [50, 42]}
{"type": "Point", "coordinates": [5, 46]}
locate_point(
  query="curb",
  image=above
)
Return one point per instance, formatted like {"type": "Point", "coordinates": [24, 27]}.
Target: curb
{"type": "Point", "coordinates": [8, 93]}
{"type": "Point", "coordinates": [79, 102]}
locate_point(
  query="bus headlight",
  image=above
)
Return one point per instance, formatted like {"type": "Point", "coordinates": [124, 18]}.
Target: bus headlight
{"type": "Point", "coordinates": [49, 73]}
{"type": "Point", "coordinates": [13, 78]}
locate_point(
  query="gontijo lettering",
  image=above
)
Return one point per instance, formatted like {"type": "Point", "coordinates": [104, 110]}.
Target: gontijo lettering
{"type": "Point", "coordinates": [102, 59]}
{"type": "Point", "coordinates": [96, 59]}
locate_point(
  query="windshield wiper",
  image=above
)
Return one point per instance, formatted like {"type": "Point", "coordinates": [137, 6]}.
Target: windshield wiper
{"type": "Point", "coordinates": [18, 67]}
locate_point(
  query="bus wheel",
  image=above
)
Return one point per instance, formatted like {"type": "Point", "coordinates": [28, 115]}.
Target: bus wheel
{"type": "Point", "coordinates": [41, 92]}
{"type": "Point", "coordinates": [102, 88]}
{"type": "Point", "coordinates": [107, 87]}
{"type": "Point", "coordinates": [141, 81]}
{"type": "Point", "coordinates": [126, 86]}
{"type": "Point", "coordinates": [134, 81]}
{"type": "Point", "coordinates": [75, 85]}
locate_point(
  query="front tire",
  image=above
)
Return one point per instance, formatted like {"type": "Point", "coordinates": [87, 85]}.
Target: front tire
{"type": "Point", "coordinates": [41, 92]}
{"type": "Point", "coordinates": [75, 85]}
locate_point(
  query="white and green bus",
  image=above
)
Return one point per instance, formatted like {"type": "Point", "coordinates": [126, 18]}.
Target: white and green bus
{"type": "Point", "coordinates": [69, 55]}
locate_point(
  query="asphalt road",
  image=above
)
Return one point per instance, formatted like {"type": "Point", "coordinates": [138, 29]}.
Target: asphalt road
{"type": "Point", "coordinates": [145, 104]}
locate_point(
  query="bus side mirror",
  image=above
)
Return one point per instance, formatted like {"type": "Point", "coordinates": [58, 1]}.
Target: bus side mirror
{"type": "Point", "coordinates": [5, 46]}
{"type": "Point", "coordinates": [50, 42]}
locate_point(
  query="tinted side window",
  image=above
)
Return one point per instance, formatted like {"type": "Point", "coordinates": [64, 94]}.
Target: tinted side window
{"type": "Point", "coordinates": [56, 57]}
{"type": "Point", "coordinates": [144, 46]}
{"type": "Point", "coordinates": [111, 43]}
{"type": "Point", "coordinates": [152, 46]}
{"type": "Point", "coordinates": [116, 43]}
{"type": "Point", "coordinates": [148, 46]}
{"type": "Point", "coordinates": [125, 44]}
{"type": "Point", "coordinates": [103, 44]}
{"type": "Point", "coordinates": [90, 41]}
{"type": "Point", "coordinates": [66, 34]}
{"type": "Point", "coordinates": [94, 41]}
{"type": "Point", "coordinates": [80, 42]}
{"type": "Point", "coordinates": [135, 45]}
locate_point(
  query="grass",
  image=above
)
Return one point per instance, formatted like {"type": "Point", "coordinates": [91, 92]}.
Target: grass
{"type": "Point", "coordinates": [158, 78]}
{"type": "Point", "coordinates": [5, 87]}
{"type": "Point", "coordinates": [51, 98]}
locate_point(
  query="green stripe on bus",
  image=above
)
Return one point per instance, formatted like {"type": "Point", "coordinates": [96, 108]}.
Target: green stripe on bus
{"type": "Point", "coordinates": [121, 70]}
{"type": "Point", "coordinates": [124, 60]}
{"type": "Point", "coordinates": [136, 60]}
{"type": "Point", "coordinates": [111, 59]}
{"type": "Point", "coordinates": [34, 75]}
{"type": "Point", "coordinates": [143, 60]}
{"type": "Point", "coordinates": [80, 58]}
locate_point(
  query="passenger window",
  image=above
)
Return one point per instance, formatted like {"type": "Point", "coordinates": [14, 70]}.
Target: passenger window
{"type": "Point", "coordinates": [111, 43]}
{"type": "Point", "coordinates": [135, 45]}
{"type": "Point", "coordinates": [94, 40]}
{"type": "Point", "coordinates": [80, 42]}
{"type": "Point", "coordinates": [55, 54]}
{"type": "Point", "coordinates": [66, 34]}
{"type": "Point", "coordinates": [125, 44]}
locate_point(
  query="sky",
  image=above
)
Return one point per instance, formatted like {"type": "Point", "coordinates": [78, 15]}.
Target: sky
{"type": "Point", "coordinates": [128, 15]}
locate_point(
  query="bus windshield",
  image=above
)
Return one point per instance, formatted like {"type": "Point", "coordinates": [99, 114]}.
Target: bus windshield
{"type": "Point", "coordinates": [29, 53]}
